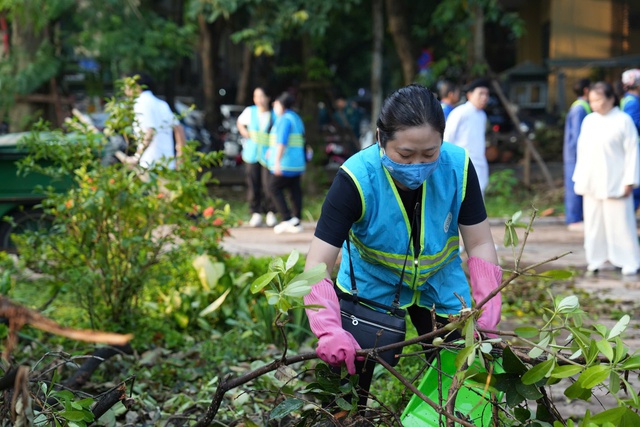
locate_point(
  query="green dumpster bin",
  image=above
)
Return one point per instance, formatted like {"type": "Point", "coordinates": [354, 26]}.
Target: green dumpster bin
{"type": "Point", "coordinates": [472, 400]}
{"type": "Point", "coordinates": [18, 199]}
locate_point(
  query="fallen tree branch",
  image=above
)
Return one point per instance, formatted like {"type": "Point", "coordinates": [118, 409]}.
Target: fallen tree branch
{"type": "Point", "coordinates": [19, 316]}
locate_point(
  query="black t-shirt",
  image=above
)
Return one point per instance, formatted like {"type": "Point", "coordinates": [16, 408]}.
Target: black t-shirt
{"type": "Point", "coordinates": [342, 207]}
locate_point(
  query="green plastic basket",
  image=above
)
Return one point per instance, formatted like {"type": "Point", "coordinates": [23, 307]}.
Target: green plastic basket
{"type": "Point", "coordinates": [472, 400]}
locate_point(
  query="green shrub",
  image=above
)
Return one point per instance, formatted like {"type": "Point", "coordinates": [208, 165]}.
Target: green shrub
{"type": "Point", "coordinates": [120, 235]}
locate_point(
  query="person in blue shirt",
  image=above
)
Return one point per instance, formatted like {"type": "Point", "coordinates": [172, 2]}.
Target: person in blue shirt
{"type": "Point", "coordinates": [578, 111]}
{"type": "Point", "coordinates": [449, 94]}
{"type": "Point", "coordinates": [630, 104]}
{"type": "Point", "coordinates": [286, 161]}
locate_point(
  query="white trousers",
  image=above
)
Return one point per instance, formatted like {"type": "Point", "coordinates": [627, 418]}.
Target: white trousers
{"type": "Point", "coordinates": [610, 233]}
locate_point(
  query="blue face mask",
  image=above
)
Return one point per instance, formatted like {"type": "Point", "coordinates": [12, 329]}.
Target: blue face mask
{"type": "Point", "coordinates": [410, 175]}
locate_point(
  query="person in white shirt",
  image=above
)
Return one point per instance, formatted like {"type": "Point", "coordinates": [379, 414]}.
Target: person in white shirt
{"type": "Point", "coordinates": [466, 127]}
{"type": "Point", "coordinates": [607, 170]}
{"type": "Point", "coordinates": [254, 124]}
{"type": "Point", "coordinates": [155, 125]}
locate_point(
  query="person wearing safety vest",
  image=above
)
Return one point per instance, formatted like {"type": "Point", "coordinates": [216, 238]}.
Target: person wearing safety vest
{"type": "Point", "coordinates": [449, 94]}
{"type": "Point", "coordinates": [286, 159]}
{"type": "Point", "coordinates": [630, 104]}
{"type": "Point", "coordinates": [402, 203]}
{"type": "Point", "coordinates": [254, 124]}
{"type": "Point", "coordinates": [578, 111]}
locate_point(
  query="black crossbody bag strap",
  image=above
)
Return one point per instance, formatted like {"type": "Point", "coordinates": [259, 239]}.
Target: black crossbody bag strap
{"type": "Point", "coordinates": [395, 305]}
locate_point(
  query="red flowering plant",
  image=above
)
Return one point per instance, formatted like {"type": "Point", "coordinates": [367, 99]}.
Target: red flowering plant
{"type": "Point", "coordinates": [122, 236]}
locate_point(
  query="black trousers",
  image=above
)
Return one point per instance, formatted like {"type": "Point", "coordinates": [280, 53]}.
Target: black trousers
{"type": "Point", "coordinates": [258, 195]}
{"type": "Point", "coordinates": [278, 185]}
{"type": "Point", "coordinates": [267, 197]}
{"type": "Point", "coordinates": [421, 319]}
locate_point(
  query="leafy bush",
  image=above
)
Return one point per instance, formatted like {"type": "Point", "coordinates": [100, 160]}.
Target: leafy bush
{"type": "Point", "coordinates": [119, 235]}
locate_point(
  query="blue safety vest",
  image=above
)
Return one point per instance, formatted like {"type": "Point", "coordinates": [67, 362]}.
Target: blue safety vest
{"type": "Point", "coordinates": [293, 160]}
{"type": "Point", "coordinates": [255, 147]}
{"type": "Point", "coordinates": [584, 104]}
{"type": "Point", "coordinates": [380, 237]}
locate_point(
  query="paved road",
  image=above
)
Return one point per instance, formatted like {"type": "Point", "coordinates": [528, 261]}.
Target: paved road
{"type": "Point", "coordinates": [548, 239]}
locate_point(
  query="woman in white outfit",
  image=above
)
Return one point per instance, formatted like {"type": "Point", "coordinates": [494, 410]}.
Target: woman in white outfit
{"type": "Point", "coordinates": [607, 170]}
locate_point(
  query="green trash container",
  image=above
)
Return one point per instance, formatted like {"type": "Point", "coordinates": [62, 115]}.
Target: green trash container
{"type": "Point", "coordinates": [472, 400]}
{"type": "Point", "coordinates": [18, 199]}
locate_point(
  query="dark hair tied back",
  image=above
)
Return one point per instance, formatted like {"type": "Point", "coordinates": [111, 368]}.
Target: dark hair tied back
{"type": "Point", "coordinates": [407, 107]}
{"type": "Point", "coordinates": [286, 100]}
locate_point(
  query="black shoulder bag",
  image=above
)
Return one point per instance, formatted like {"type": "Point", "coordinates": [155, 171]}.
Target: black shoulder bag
{"type": "Point", "coordinates": [370, 327]}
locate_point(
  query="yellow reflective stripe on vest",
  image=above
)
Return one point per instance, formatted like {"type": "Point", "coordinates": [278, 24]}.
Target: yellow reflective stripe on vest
{"type": "Point", "coordinates": [465, 174]}
{"type": "Point", "coordinates": [295, 140]}
{"type": "Point", "coordinates": [395, 262]}
{"type": "Point", "coordinates": [360, 192]}
{"type": "Point", "coordinates": [259, 137]}
{"type": "Point", "coordinates": [584, 104]}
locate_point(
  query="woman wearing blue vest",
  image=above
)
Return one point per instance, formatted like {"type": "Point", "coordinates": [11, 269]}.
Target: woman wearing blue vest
{"type": "Point", "coordinates": [404, 197]}
{"type": "Point", "coordinates": [286, 161]}
{"type": "Point", "coordinates": [254, 124]}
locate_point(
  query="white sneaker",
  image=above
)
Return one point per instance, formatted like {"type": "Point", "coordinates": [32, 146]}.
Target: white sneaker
{"type": "Point", "coordinates": [256, 220]}
{"type": "Point", "coordinates": [271, 219]}
{"type": "Point", "coordinates": [290, 226]}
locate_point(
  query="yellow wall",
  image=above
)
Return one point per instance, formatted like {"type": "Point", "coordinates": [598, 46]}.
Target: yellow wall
{"type": "Point", "coordinates": [579, 29]}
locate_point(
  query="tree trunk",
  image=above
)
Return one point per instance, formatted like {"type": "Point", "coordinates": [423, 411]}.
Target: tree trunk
{"type": "Point", "coordinates": [209, 50]}
{"type": "Point", "coordinates": [478, 37]}
{"type": "Point", "coordinates": [399, 27]}
{"type": "Point", "coordinates": [243, 95]}
{"type": "Point", "coordinates": [25, 42]}
{"type": "Point", "coordinates": [376, 62]}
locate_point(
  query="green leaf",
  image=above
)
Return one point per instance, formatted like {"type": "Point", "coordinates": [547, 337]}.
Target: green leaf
{"type": "Point", "coordinates": [72, 415]}
{"type": "Point", "coordinates": [522, 414]}
{"type": "Point", "coordinates": [538, 372]}
{"type": "Point", "coordinates": [513, 397]}
{"type": "Point", "coordinates": [216, 304]}
{"type": "Point", "coordinates": [593, 376]}
{"type": "Point", "coordinates": [614, 382]}
{"type": "Point", "coordinates": [262, 281]}
{"type": "Point", "coordinates": [512, 363]}
{"type": "Point", "coordinates": [277, 265]}
{"type": "Point", "coordinates": [529, 391]}
{"type": "Point", "coordinates": [313, 275]}
{"type": "Point", "coordinates": [621, 350]}
{"type": "Point", "coordinates": [576, 391]}
{"type": "Point", "coordinates": [605, 348]}
{"type": "Point", "coordinates": [620, 326]}
{"type": "Point", "coordinates": [557, 274]}
{"type": "Point", "coordinates": [613, 415]}
{"type": "Point", "coordinates": [208, 272]}
{"type": "Point", "coordinates": [272, 297]}
{"type": "Point", "coordinates": [566, 371]}
{"type": "Point", "coordinates": [526, 331]}
{"type": "Point", "coordinates": [297, 289]}
{"type": "Point", "coordinates": [568, 304]}
{"type": "Point", "coordinates": [462, 356]}
{"type": "Point", "coordinates": [631, 363]}
{"type": "Point", "coordinates": [285, 408]}
{"type": "Point", "coordinates": [294, 256]}
{"type": "Point", "coordinates": [536, 351]}
{"type": "Point", "coordinates": [344, 405]}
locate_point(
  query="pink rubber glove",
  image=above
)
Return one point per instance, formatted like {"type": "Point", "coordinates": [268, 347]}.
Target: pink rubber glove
{"type": "Point", "coordinates": [485, 277]}
{"type": "Point", "coordinates": [335, 345]}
